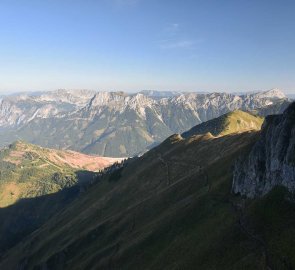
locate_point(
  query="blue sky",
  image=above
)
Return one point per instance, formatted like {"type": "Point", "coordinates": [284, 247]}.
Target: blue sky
{"type": "Point", "coordinates": [190, 45]}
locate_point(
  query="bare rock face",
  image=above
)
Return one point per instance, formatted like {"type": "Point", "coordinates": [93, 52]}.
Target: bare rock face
{"type": "Point", "coordinates": [271, 161]}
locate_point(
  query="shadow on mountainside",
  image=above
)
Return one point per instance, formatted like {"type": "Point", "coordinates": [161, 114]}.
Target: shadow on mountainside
{"type": "Point", "coordinates": [168, 209]}
{"type": "Point", "coordinates": [25, 216]}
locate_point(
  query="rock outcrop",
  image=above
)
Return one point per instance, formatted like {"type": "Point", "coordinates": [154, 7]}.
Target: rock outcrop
{"type": "Point", "coordinates": [271, 161]}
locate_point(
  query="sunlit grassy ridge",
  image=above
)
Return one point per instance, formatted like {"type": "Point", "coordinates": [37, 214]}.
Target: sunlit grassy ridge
{"type": "Point", "coordinates": [233, 122]}
{"type": "Point", "coordinates": [28, 172]}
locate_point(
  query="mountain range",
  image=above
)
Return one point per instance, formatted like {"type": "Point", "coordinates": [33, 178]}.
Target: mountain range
{"type": "Point", "coordinates": [187, 203]}
{"type": "Point", "coordinates": [119, 124]}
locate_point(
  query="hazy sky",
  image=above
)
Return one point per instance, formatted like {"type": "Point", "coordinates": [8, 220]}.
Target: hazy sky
{"type": "Point", "coordinates": [189, 45]}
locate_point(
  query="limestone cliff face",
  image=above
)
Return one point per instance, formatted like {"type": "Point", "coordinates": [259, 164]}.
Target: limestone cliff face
{"type": "Point", "coordinates": [271, 161]}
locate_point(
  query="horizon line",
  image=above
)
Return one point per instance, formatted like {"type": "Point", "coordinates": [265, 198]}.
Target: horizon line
{"type": "Point", "coordinates": [18, 92]}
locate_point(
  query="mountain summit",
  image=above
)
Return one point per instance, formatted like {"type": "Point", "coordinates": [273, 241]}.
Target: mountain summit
{"type": "Point", "coordinates": [232, 122]}
{"type": "Point", "coordinates": [273, 93]}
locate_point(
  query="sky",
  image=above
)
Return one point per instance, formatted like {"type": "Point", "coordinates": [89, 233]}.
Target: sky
{"type": "Point", "coordinates": [131, 45]}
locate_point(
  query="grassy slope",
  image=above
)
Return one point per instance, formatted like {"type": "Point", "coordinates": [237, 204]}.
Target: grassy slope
{"type": "Point", "coordinates": [171, 209]}
{"type": "Point", "coordinates": [28, 171]}
{"type": "Point", "coordinates": [272, 218]}
{"type": "Point", "coordinates": [35, 183]}
{"type": "Point", "coordinates": [232, 122]}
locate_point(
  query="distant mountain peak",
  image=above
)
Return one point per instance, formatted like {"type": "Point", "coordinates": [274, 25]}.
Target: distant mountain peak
{"type": "Point", "coordinates": [160, 94]}
{"type": "Point", "coordinates": [272, 93]}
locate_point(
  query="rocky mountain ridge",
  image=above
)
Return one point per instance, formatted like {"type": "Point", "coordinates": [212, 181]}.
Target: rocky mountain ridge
{"type": "Point", "coordinates": [19, 109]}
{"type": "Point", "coordinates": [117, 123]}
{"type": "Point", "coordinates": [45, 101]}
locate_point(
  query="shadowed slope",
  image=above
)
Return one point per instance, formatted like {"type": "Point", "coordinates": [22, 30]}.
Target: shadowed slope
{"type": "Point", "coordinates": [160, 213]}
{"type": "Point", "coordinates": [26, 215]}
{"type": "Point", "coordinates": [37, 182]}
